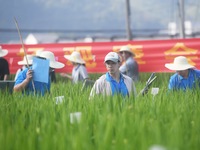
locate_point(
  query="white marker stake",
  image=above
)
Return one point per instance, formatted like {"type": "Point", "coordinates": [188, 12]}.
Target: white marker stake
{"type": "Point", "coordinates": [75, 117]}
{"type": "Point", "coordinates": [59, 99]}
{"type": "Point", "coordinates": [154, 91]}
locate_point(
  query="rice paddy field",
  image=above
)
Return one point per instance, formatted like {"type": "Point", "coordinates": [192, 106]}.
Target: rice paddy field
{"type": "Point", "coordinates": [166, 121]}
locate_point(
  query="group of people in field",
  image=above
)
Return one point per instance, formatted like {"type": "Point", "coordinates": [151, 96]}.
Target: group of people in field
{"type": "Point", "coordinates": [122, 73]}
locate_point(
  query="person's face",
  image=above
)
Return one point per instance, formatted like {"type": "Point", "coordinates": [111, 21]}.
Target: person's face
{"type": "Point", "coordinates": [125, 55]}
{"type": "Point", "coordinates": [112, 67]}
{"type": "Point", "coordinates": [183, 73]}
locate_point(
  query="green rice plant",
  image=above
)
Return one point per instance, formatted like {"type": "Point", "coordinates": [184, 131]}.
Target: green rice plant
{"type": "Point", "coordinates": [169, 119]}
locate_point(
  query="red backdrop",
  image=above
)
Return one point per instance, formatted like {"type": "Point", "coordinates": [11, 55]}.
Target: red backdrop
{"type": "Point", "coordinates": [150, 55]}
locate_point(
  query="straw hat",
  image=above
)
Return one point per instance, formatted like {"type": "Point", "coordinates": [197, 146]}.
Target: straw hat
{"type": "Point", "coordinates": [112, 56]}
{"type": "Point", "coordinates": [180, 63]}
{"type": "Point", "coordinates": [126, 49]}
{"type": "Point", "coordinates": [29, 58]}
{"type": "Point", "coordinates": [75, 57]}
{"type": "Point", "coordinates": [3, 52]}
{"type": "Point", "coordinates": [50, 56]}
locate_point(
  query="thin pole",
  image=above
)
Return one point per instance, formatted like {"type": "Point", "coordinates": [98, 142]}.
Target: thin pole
{"type": "Point", "coordinates": [181, 18]}
{"type": "Point", "coordinates": [128, 21]}
{"type": "Point", "coordinates": [25, 54]}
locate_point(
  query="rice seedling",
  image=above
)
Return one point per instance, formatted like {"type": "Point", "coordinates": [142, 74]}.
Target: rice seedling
{"type": "Point", "coordinates": [169, 119]}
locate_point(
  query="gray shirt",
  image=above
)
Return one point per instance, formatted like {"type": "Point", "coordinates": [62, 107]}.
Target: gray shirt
{"type": "Point", "coordinates": [79, 73]}
{"type": "Point", "coordinates": [130, 68]}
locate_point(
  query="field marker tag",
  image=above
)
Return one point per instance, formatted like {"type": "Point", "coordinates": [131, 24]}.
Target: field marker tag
{"type": "Point", "coordinates": [154, 91]}
{"type": "Point", "coordinates": [59, 99]}
{"type": "Point", "coordinates": [75, 117]}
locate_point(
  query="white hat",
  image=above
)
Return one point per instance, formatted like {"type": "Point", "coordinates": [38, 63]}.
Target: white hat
{"type": "Point", "coordinates": [180, 63]}
{"type": "Point", "coordinates": [113, 56]}
{"type": "Point", "coordinates": [29, 58]}
{"type": "Point", "coordinates": [50, 56]}
{"type": "Point", "coordinates": [75, 57]}
{"type": "Point", "coordinates": [3, 52]}
{"type": "Point", "coordinates": [126, 49]}
{"type": "Point", "coordinates": [38, 52]}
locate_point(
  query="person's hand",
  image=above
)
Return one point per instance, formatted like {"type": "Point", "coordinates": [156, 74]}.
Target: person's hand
{"type": "Point", "coordinates": [144, 91]}
{"type": "Point", "coordinates": [63, 74]}
{"type": "Point", "coordinates": [29, 75]}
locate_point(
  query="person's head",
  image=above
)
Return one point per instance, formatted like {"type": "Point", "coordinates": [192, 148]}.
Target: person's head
{"type": "Point", "coordinates": [126, 52]}
{"type": "Point", "coordinates": [112, 62]}
{"type": "Point", "coordinates": [3, 52]}
{"type": "Point", "coordinates": [24, 61]}
{"type": "Point", "coordinates": [75, 58]}
{"type": "Point", "coordinates": [50, 56]}
{"type": "Point", "coordinates": [180, 65]}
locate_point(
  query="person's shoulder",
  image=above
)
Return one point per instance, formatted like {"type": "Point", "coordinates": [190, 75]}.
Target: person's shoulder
{"type": "Point", "coordinates": [174, 76]}
{"type": "Point", "coordinates": [196, 71]}
{"type": "Point", "coordinates": [126, 77]}
{"type": "Point", "coordinates": [3, 59]}
{"type": "Point", "coordinates": [131, 60]}
{"type": "Point", "coordinates": [102, 77]}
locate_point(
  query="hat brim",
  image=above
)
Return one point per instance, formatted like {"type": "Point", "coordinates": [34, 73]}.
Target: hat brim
{"type": "Point", "coordinates": [128, 52]}
{"type": "Point", "coordinates": [80, 61]}
{"type": "Point", "coordinates": [56, 65]}
{"type": "Point", "coordinates": [113, 60]}
{"type": "Point", "coordinates": [178, 67]}
{"type": "Point", "coordinates": [3, 52]}
{"type": "Point", "coordinates": [30, 62]}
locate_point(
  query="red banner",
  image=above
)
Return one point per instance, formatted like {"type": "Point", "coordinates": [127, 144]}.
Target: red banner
{"type": "Point", "coordinates": [150, 55]}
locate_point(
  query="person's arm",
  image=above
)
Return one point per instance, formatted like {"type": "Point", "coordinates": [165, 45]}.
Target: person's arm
{"type": "Point", "coordinates": [66, 75]}
{"type": "Point", "coordinates": [19, 87]}
{"type": "Point", "coordinates": [5, 77]}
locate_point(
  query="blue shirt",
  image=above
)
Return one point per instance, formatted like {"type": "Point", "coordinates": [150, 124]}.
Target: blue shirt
{"type": "Point", "coordinates": [177, 82]}
{"type": "Point", "coordinates": [40, 88]}
{"type": "Point", "coordinates": [117, 88]}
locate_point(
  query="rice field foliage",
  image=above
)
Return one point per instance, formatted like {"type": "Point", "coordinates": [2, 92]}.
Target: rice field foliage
{"type": "Point", "coordinates": [168, 119]}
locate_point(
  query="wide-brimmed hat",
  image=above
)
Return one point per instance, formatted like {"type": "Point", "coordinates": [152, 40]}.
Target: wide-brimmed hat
{"type": "Point", "coordinates": [3, 52]}
{"type": "Point", "coordinates": [112, 56]}
{"type": "Point", "coordinates": [180, 63]}
{"type": "Point", "coordinates": [24, 62]}
{"type": "Point", "coordinates": [50, 56]}
{"type": "Point", "coordinates": [75, 57]}
{"type": "Point", "coordinates": [126, 49]}
{"type": "Point", "coordinates": [38, 52]}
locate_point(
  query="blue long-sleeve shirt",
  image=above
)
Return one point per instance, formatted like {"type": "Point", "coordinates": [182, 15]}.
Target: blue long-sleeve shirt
{"type": "Point", "coordinates": [40, 88]}
{"type": "Point", "coordinates": [177, 82]}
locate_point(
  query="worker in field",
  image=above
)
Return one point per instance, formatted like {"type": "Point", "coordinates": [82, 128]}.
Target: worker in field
{"type": "Point", "coordinates": [79, 71]}
{"type": "Point", "coordinates": [27, 84]}
{"type": "Point", "coordinates": [186, 77]}
{"type": "Point", "coordinates": [113, 82]}
{"type": "Point", "coordinates": [4, 66]}
{"type": "Point", "coordinates": [129, 66]}
{"type": "Point", "coordinates": [23, 64]}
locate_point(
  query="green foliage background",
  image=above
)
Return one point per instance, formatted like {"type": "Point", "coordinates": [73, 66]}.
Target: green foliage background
{"type": "Point", "coordinates": [170, 120]}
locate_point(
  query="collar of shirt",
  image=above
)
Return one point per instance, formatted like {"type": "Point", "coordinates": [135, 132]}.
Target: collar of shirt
{"type": "Point", "coordinates": [76, 68]}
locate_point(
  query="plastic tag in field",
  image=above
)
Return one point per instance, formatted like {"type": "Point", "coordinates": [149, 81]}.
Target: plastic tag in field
{"type": "Point", "coordinates": [154, 91]}
{"type": "Point", "coordinates": [157, 147]}
{"type": "Point", "coordinates": [59, 99]}
{"type": "Point", "coordinates": [75, 117]}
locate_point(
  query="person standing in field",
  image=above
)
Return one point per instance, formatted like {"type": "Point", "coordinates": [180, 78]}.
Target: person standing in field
{"type": "Point", "coordinates": [23, 82]}
{"type": "Point", "coordinates": [4, 66]}
{"type": "Point", "coordinates": [79, 71]}
{"type": "Point", "coordinates": [186, 77]}
{"type": "Point", "coordinates": [113, 82]}
{"type": "Point", "coordinates": [129, 66]}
